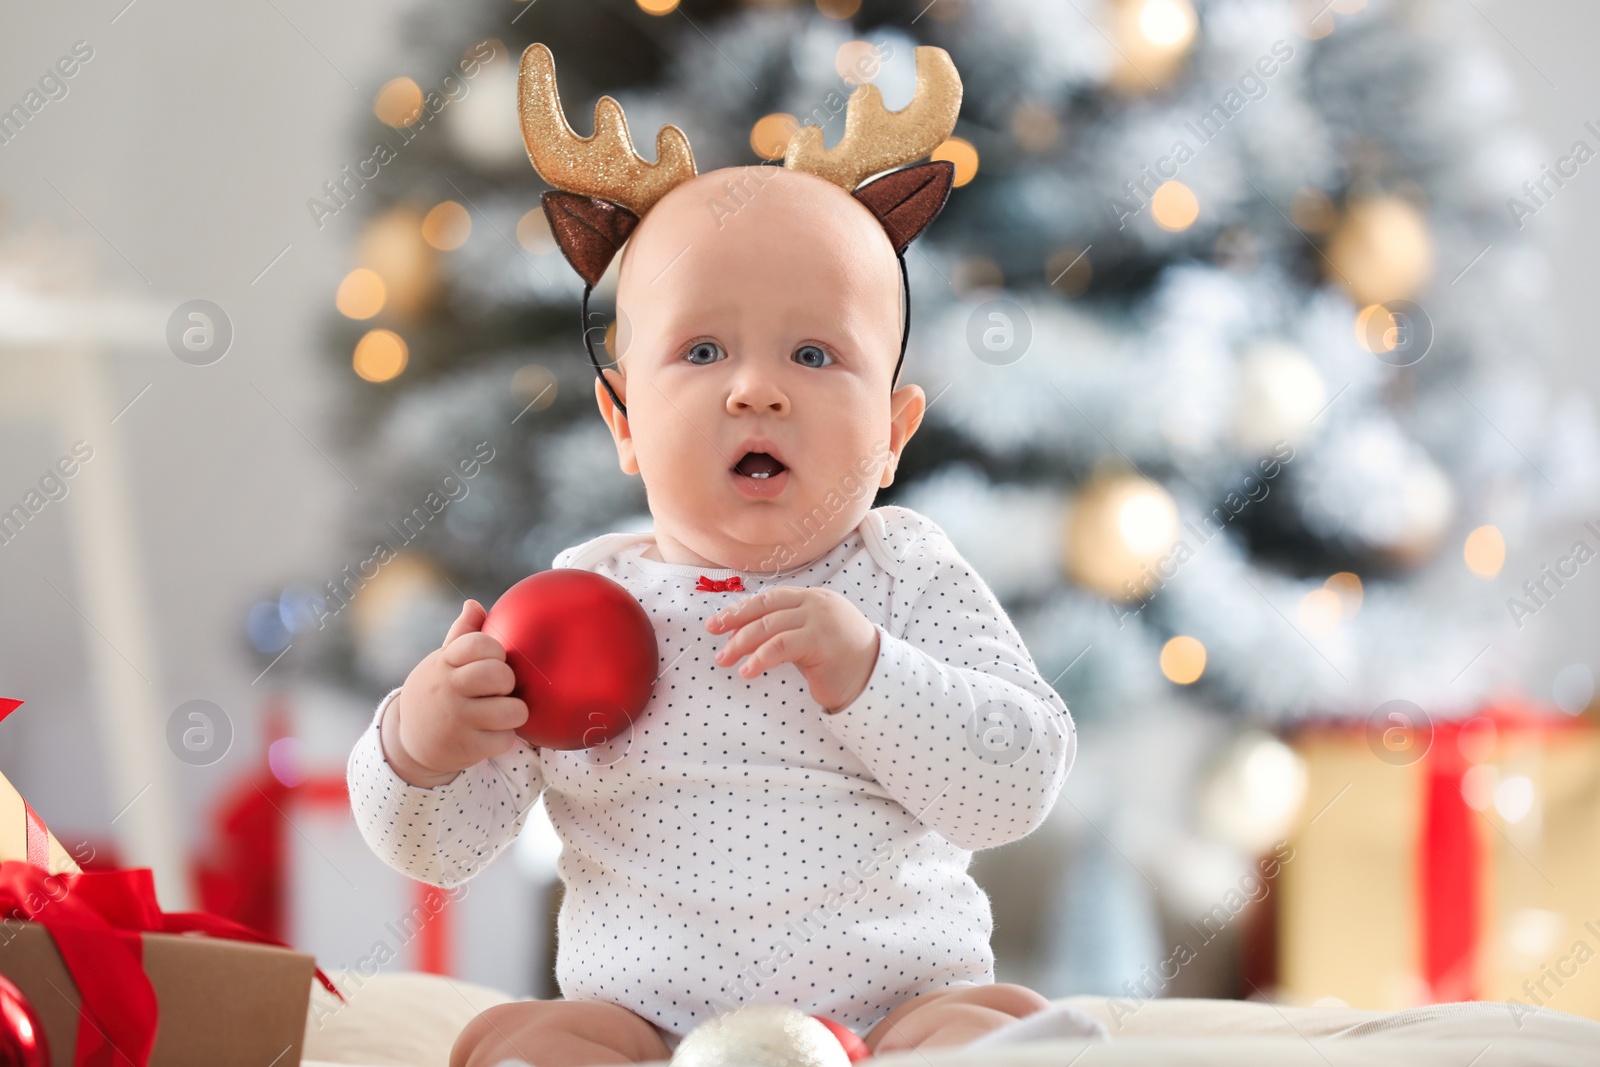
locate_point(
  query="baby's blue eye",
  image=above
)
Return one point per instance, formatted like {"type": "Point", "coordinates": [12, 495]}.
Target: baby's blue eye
{"type": "Point", "coordinates": [811, 356]}
{"type": "Point", "coordinates": [704, 352]}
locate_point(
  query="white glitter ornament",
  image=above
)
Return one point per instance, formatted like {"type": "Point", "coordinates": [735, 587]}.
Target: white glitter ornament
{"type": "Point", "coordinates": [761, 1035]}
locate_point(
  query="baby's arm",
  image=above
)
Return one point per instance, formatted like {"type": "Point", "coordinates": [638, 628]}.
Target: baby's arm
{"type": "Point", "coordinates": [439, 784]}
{"type": "Point", "coordinates": [956, 722]}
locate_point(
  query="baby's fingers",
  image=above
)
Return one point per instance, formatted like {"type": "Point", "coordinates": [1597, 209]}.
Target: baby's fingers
{"type": "Point", "coordinates": [470, 647]}
{"type": "Point", "coordinates": [495, 713]}
{"type": "Point", "coordinates": [484, 678]}
{"type": "Point", "coordinates": [469, 621]}
{"type": "Point", "coordinates": [789, 646]}
{"type": "Point", "coordinates": [755, 633]}
{"type": "Point", "coordinates": [750, 608]}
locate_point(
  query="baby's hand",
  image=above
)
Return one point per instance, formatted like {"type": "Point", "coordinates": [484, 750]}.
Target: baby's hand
{"type": "Point", "coordinates": [455, 708]}
{"type": "Point", "coordinates": [817, 630]}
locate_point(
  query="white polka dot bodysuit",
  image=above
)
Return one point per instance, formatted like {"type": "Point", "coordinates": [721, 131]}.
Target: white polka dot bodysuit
{"type": "Point", "coordinates": [741, 843]}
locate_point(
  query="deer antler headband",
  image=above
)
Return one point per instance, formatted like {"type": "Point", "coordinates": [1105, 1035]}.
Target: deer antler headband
{"type": "Point", "coordinates": [603, 187]}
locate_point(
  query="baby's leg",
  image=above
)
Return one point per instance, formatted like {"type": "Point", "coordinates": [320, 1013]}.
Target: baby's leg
{"type": "Point", "coordinates": [557, 1033]}
{"type": "Point", "coordinates": [948, 1017]}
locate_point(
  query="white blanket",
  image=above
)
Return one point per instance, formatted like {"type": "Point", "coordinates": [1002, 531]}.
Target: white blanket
{"type": "Point", "coordinates": [411, 1020]}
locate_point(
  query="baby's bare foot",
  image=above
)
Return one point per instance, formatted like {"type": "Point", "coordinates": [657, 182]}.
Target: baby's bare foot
{"type": "Point", "coordinates": [557, 1033]}
{"type": "Point", "coordinates": [952, 1017]}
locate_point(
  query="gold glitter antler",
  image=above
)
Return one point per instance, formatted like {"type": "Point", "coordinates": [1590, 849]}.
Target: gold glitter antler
{"type": "Point", "coordinates": [605, 164]}
{"type": "Point", "coordinates": [877, 139]}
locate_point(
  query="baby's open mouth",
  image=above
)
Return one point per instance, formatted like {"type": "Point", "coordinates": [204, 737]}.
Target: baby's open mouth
{"type": "Point", "coordinates": [759, 465]}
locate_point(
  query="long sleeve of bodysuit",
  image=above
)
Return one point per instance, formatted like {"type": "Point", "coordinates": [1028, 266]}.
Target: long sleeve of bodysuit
{"type": "Point", "coordinates": [955, 722]}
{"type": "Point", "coordinates": [446, 834]}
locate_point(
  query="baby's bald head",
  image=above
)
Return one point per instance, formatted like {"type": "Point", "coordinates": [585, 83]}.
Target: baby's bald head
{"type": "Point", "coordinates": [790, 253]}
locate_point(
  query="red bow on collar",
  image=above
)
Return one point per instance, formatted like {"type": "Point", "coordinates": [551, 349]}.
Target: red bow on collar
{"type": "Point", "coordinates": [720, 585]}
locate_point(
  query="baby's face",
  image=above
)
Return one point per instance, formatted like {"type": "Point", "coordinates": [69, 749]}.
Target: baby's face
{"type": "Point", "coordinates": [758, 343]}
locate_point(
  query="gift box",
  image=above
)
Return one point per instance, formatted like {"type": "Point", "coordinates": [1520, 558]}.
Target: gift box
{"type": "Point", "coordinates": [24, 836]}
{"type": "Point", "coordinates": [1447, 860]}
{"type": "Point", "coordinates": [218, 1002]}
{"type": "Point", "coordinates": [117, 982]}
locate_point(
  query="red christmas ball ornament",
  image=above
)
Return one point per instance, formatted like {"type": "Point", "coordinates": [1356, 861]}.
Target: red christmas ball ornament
{"type": "Point", "coordinates": [22, 1040]}
{"type": "Point", "coordinates": [584, 653]}
{"type": "Point", "coordinates": [853, 1046]}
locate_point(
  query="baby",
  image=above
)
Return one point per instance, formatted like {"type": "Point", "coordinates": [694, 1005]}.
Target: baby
{"type": "Point", "coordinates": [844, 712]}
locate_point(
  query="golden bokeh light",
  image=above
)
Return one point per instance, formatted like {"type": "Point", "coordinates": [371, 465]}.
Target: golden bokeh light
{"type": "Point", "coordinates": [392, 245]}
{"type": "Point", "coordinates": [1320, 611]}
{"type": "Point", "coordinates": [976, 273]}
{"type": "Point", "coordinates": [1313, 19]}
{"type": "Point", "coordinates": [1376, 329]}
{"type": "Point", "coordinates": [1167, 25]}
{"type": "Point", "coordinates": [533, 232]}
{"type": "Point", "coordinates": [380, 355]}
{"type": "Point", "coordinates": [401, 583]}
{"type": "Point", "coordinates": [1120, 530]}
{"type": "Point", "coordinates": [1174, 206]}
{"type": "Point", "coordinates": [1152, 39]}
{"type": "Point", "coordinates": [959, 151]}
{"type": "Point", "coordinates": [447, 226]}
{"type": "Point", "coordinates": [839, 9]}
{"type": "Point", "coordinates": [1068, 270]}
{"type": "Point", "coordinates": [658, 7]}
{"type": "Point", "coordinates": [361, 295]}
{"type": "Point", "coordinates": [769, 137]}
{"type": "Point", "coordinates": [1348, 588]}
{"type": "Point", "coordinates": [1183, 660]}
{"type": "Point", "coordinates": [1382, 250]}
{"type": "Point", "coordinates": [398, 103]}
{"type": "Point", "coordinates": [1485, 551]}
{"type": "Point", "coordinates": [534, 385]}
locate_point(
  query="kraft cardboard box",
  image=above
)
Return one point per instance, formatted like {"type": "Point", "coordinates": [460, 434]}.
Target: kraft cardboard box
{"type": "Point", "coordinates": [221, 1003]}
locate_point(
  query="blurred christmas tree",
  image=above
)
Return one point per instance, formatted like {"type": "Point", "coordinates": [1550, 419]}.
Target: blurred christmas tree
{"type": "Point", "coordinates": [1227, 328]}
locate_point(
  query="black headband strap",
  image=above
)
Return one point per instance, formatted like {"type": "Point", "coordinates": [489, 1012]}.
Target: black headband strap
{"type": "Point", "coordinates": [905, 330]}
{"type": "Point", "coordinates": [594, 360]}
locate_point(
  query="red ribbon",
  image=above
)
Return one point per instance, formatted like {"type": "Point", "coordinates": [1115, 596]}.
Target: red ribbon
{"type": "Point", "coordinates": [95, 919]}
{"type": "Point", "coordinates": [720, 585]}
{"type": "Point", "coordinates": [1450, 850]}
{"type": "Point", "coordinates": [7, 706]}
{"type": "Point", "coordinates": [1448, 862]}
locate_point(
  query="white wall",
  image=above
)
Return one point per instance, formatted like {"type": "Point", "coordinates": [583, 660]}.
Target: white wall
{"type": "Point", "coordinates": [177, 167]}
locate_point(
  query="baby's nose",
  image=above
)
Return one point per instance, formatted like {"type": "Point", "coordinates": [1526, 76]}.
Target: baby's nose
{"type": "Point", "coordinates": [759, 393]}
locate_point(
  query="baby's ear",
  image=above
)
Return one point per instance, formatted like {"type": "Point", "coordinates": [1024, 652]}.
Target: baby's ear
{"type": "Point", "coordinates": [589, 231]}
{"type": "Point", "coordinates": [907, 200]}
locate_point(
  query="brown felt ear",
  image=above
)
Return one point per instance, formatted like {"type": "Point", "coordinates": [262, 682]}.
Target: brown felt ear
{"type": "Point", "coordinates": [906, 200]}
{"type": "Point", "coordinates": [589, 231]}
